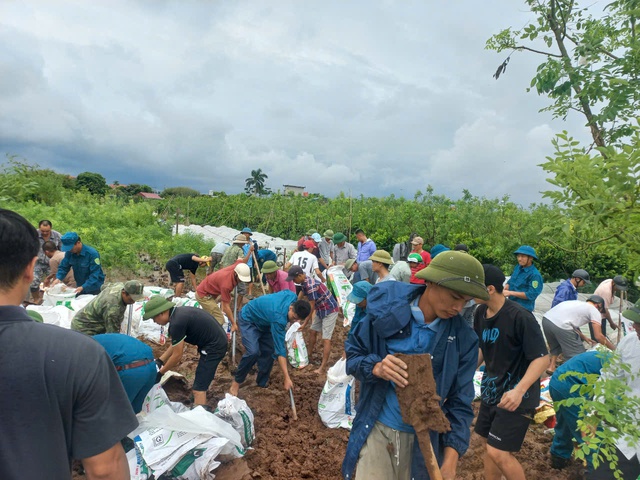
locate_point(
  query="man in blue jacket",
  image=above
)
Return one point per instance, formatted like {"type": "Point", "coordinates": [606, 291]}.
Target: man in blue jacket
{"type": "Point", "coordinates": [412, 319]}
{"type": "Point", "coordinates": [85, 261]}
{"type": "Point", "coordinates": [525, 283]}
{"type": "Point", "coordinates": [568, 290]}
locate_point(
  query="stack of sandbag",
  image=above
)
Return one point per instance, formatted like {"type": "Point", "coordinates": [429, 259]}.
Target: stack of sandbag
{"type": "Point", "coordinates": [184, 444]}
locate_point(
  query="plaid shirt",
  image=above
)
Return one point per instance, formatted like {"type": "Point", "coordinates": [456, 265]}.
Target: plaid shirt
{"type": "Point", "coordinates": [319, 293]}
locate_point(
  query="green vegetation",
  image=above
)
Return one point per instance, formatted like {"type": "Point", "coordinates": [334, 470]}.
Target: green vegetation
{"type": "Point", "coordinates": [605, 422]}
{"type": "Point", "coordinates": [492, 228]}
{"type": "Point", "coordinates": [127, 233]}
{"type": "Point", "coordinates": [590, 67]}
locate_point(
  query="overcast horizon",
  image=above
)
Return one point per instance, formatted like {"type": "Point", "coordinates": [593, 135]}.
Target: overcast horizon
{"type": "Point", "coordinates": [372, 98]}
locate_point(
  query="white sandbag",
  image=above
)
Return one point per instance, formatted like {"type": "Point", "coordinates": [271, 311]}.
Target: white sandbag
{"type": "Point", "coordinates": [183, 443]}
{"type": "Point", "coordinates": [150, 291]}
{"type": "Point", "coordinates": [59, 294]}
{"type": "Point", "coordinates": [186, 302]}
{"type": "Point", "coordinates": [349, 311]}
{"type": "Point", "coordinates": [163, 449]}
{"type": "Point", "coordinates": [339, 283]}
{"type": "Point", "coordinates": [58, 315]}
{"type": "Point", "coordinates": [152, 331]}
{"type": "Point", "coordinates": [238, 414]}
{"type": "Point", "coordinates": [336, 405]}
{"type": "Point", "coordinates": [296, 348]}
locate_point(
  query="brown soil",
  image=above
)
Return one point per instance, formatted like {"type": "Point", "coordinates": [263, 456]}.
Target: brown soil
{"type": "Point", "coordinates": [285, 449]}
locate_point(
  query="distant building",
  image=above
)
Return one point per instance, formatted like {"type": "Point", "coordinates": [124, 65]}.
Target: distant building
{"type": "Point", "coordinates": [149, 196]}
{"type": "Point", "coordinates": [295, 189]}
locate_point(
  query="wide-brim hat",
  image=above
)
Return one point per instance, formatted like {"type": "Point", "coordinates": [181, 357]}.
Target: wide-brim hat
{"type": "Point", "coordinates": [381, 256]}
{"type": "Point", "coordinates": [349, 263]}
{"type": "Point", "coordinates": [243, 271]}
{"type": "Point", "coordinates": [240, 238]}
{"type": "Point", "coordinates": [246, 230]}
{"type": "Point", "coordinates": [155, 306]}
{"type": "Point", "coordinates": [526, 250]}
{"type": "Point", "coordinates": [633, 313]}
{"type": "Point", "coordinates": [339, 238]}
{"type": "Point", "coordinates": [457, 271]}
{"type": "Point", "coordinates": [328, 233]}
{"type": "Point", "coordinates": [269, 266]}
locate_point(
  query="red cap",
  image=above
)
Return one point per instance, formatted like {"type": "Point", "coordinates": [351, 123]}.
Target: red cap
{"type": "Point", "coordinates": [309, 244]}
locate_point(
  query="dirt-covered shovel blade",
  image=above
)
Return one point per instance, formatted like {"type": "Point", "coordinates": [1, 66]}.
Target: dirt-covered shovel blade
{"type": "Point", "coordinates": [420, 407]}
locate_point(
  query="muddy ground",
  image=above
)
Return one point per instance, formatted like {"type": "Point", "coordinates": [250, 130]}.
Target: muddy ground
{"type": "Point", "coordinates": [286, 449]}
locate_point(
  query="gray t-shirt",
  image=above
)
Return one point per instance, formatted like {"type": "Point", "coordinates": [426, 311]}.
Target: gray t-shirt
{"type": "Point", "coordinates": [365, 269]}
{"type": "Point", "coordinates": [62, 398]}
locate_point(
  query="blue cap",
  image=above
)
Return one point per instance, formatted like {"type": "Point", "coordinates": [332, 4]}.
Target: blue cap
{"type": "Point", "coordinates": [316, 236]}
{"type": "Point", "coordinates": [436, 249]}
{"type": "Point", "coordinates": [526, 250]}
{"type": "Point", "coordinates": [69, 239]}
{"type": "Point", "coordinates": [246, 230]}
{"type": "Point", "coordinates": [359, 292]}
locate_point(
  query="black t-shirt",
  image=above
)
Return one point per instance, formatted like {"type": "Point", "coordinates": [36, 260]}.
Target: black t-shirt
{"type": "Point", "coordinates": [509, 342]}
{"type": "Point", "coordinates": [185, 260]}
{"type": "Point", "coordinates": [61, 398]}
{"type": "Point", "coordinates": [197, 327]}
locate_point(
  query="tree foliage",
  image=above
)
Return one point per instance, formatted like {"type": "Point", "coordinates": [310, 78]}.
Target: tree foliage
{"type": "Point", "coordinates": [180, 192]}
{"type": "Point", "coordinates": [591, 61]}
{"type": "Point", "coordinates": [590, 66]}
{"type": "Point", "coordinates": [93, 182]}
{"type": "Point", "coordinates": [608, 411]}
{"type": "Point", "coordinates": [255, 184]}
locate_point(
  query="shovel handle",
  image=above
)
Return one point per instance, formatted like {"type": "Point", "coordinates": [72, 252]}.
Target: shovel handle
{"type": "Point", "coordinates": [293, 404]}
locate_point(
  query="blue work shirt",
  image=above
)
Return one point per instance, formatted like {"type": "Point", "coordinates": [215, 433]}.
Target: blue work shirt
{"type": "Point", "coordinates": [264, 255]}
{"type": "Point", "coordinates": [124, 349]}
{"type": "Point", "coordinates": [455, 356]}
{"type": "Point", "coordinates": [87, 270]}
{"type": "Point", "coordinates": [565, 291]}
{"type": "Point", "coordinates": [529, 281]}
{"type": "Point", "coordinates": [420, 341]}
{"type": "Point", "coordinates": [270, 312]}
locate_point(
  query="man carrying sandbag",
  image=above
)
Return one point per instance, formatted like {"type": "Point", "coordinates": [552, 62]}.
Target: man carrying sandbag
{"type": "Point", "coordinates": [263, 325]}
{"type": "Point", "coordinates": [197, 327]}
{"type": "Point", "coordinates": [413, 319]}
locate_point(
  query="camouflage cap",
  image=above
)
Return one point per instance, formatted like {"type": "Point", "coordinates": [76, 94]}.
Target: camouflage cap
{"type": "Point", "coordinates": [135, 289]}
{"type": "Point", "coordinates": [457, 271]}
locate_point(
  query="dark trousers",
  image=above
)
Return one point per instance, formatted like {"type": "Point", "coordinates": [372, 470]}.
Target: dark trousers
{"type": "Point", "coordinates": [258, 345]}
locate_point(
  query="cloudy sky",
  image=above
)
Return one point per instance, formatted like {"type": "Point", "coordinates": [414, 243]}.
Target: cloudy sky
{"type": "Point", "coordinates": [373, 97]}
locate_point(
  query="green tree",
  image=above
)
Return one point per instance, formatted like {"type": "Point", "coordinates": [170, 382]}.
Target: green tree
{"type": "Point", "coordinates": [254, 185]}
{"type": "Point", "coordinates": [94, 183]}
{"type": "Point", "coordinates": [135, 188]}
{"type": "Point", "coordinates": [591, 62]}
{"type": "Point", "coordinates": [179, 192]}
{"type": "Point", "coordinates": [591, 66]}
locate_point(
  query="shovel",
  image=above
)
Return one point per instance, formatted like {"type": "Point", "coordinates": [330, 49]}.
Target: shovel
{"type": "Point", "coordinates": [293, 404]}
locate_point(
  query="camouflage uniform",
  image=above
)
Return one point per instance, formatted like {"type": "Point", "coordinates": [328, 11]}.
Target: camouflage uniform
{"type": "Point", "coordinates": [103, 314]}
{"type": "Point", "coordinates": [233, 253]}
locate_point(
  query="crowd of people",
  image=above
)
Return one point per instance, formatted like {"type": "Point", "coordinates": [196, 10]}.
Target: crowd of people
{"type": "Point", "coordinates": [443, 302]}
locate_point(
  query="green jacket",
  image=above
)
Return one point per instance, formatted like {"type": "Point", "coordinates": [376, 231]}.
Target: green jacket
{"type": "Point", "coordinates": [103, 314]}
{"type": "Point", "coordinates": [233, 253]}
